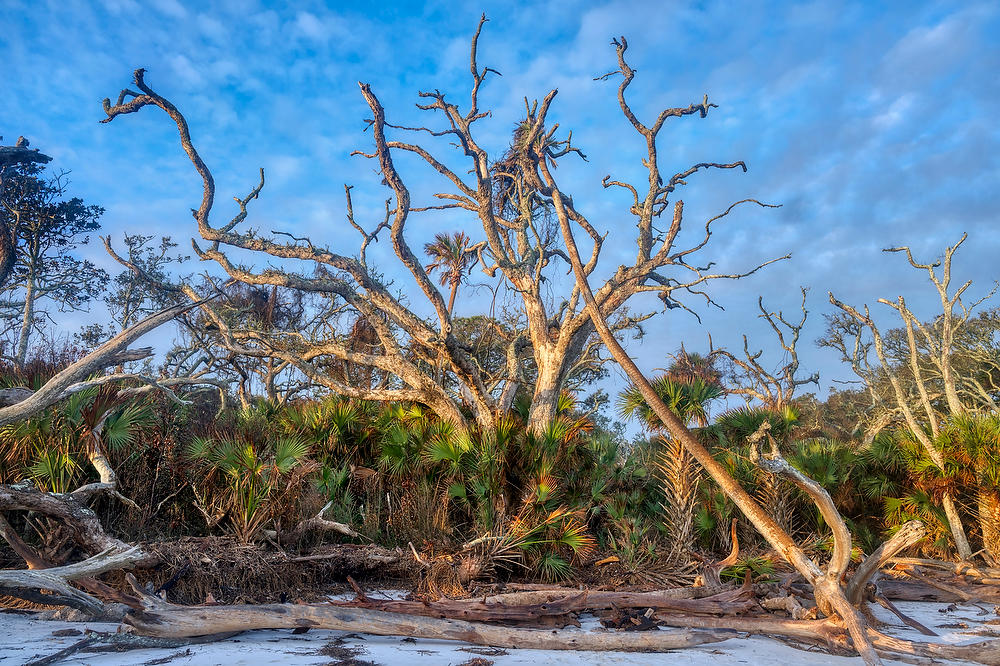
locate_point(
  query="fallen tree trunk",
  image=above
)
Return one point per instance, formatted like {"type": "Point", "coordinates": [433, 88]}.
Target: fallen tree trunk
{"type": "Point", "coordinates": [959, 568]}
{"type": "Point", "coordinates": [28, 584]}
{"type": "Point", "coordinates": [907, 535]}
{"type": "Point", "coordinates": [166, 620]}
{"type": "Point", "coordinates": [906, 590]}
{"type": "Point", "coordinates": [727, 603]}
{"type": "Point", "coordinates": [821, 632]}
{"type": "Point", "coordinates": [829, 633]}
{"type": "Point", "coordinates": [595, 598]}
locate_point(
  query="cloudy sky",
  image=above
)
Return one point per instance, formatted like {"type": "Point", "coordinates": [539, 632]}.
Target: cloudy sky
{"type": "Point", "coordinates": [872, 124]}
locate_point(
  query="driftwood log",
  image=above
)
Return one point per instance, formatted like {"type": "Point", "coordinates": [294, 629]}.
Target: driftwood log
{"type": "Point", "coordinates": [907, 535]}
{"type": "Point", "coordinates": [162, 619]}
{"type": "Point", "coordinates": [829, 633]}
{"type": "Point", "coordinates": [641, 599]}
{"type": "Point", "coordinates": [730, 602]}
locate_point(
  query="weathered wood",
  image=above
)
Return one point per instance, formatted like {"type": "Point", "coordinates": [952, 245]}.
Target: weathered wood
{"type": "Point", "coordinates": [983, 652]}
{"type": "Point", "coordinates": [28, 583]}
{"type": "Point", "coordinates": [826, 632]}
{"type": "Point", "coordinates": [906, 619]}
{"type": "Point", "coordinates": [959, 568]}
{"type": "Point", "coordinates": [790, 604]}
{"type": "Point", "coordinates": [822, 632]}
{"type": "Point", "coordinates": [727, 603]}
{"type": "Point", "coordinates": [907, 535]}
{"type": "Point", "coordinates": [75, 377]}
{"type": "Point", "coordinates": [911, 590]}
{"type": "Point", "coordinates": [318, 523]}
{"type": "Point", "coordinates": [162, 619]}
{"type": "Point", "coordinates": [121, 642]}
{"type": "Point", "coordinates": [84, 524]}
{"type": "Point", "coordinates": [944, 587]}
{"type": "Point", "coordinates": [642, 599]}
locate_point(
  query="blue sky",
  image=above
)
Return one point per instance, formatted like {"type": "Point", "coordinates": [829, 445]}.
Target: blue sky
{"type": "Point", "coordinates": [873, 124]}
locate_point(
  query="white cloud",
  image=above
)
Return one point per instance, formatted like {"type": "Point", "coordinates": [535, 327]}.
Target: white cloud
{"type": "Point", "coordinates": [185, 70]}
{"type": "Point", "coordinates": [211, 28]}
{"type": "Point", "coordinates": [309, 26]}
{"type": "Point", "coordinates": [895, 112]}
{"type": "Point", "coordinates": [171, 8]}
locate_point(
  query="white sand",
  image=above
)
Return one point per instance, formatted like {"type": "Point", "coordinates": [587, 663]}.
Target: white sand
{"type": "Point", "coordinates": [24, 637]}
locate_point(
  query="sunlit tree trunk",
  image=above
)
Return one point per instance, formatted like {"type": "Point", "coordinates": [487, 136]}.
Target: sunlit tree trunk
{"type": "Point", "coordinates": [30, 295]}
{"type": "Point", "coordinates": [989, 522]}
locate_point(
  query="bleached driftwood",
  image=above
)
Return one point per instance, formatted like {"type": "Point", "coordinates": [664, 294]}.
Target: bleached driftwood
{"type": "Point", "coordinates": [162, 619]}
{"type": "Point", "coordinates": [30, 583]}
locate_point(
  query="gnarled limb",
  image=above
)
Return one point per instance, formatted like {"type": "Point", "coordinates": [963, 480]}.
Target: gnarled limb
{"type": "Point", "coordinates": [907, 535]}
{"type": "Point", "coordinates": [27, 584]}
{"type": "Point", "coordinates": [87, 529]}
{"type": "Point", "coordinates": [320, 524]}
{"type": "Point", "coordinates": [74, 378]}
{"type": "Point", "coordinates": [755, 382]}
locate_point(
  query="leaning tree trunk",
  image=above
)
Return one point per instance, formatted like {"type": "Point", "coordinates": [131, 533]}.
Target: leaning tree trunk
{"type": "Point", "coordinates": [956, 527]}
{"type": "Point", "coordinates": [826, 585]}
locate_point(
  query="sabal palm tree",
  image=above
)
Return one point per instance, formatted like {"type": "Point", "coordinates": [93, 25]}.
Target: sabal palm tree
{"type": "Point", "coordinates": [453, 256]}
{"type": "Point", "coordinates": [688, 400]}
{"type": "Point", "coordinates": [971, 443]}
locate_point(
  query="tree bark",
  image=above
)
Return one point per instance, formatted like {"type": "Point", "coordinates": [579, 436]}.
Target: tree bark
{"type": "Point", "coordinates": [159, 618]}
{"type": "Point", "coordinates": [27, 319]}
{"type": "Point", "coordinates": [988, 501]}
{"type": "Point", "coordinates": [955, 525]}
{"type": "Point", "coordinates": [907, 535]}
{"type": "Point", "coordinates": [27, 583]}
{"type": "Point", "coordinates": [86, 528]}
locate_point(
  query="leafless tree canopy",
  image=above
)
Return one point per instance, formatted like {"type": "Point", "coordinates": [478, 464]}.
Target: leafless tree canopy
{"type": "Point", "coordinates": [418, 358]}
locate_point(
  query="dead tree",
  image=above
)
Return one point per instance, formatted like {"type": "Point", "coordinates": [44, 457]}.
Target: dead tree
{"type": "Point", "coordinates": [519, 245]}
{"type": "Point", "coordinates": [923, 387]}
{"type": "Point", "coordinates": [771, 388]}
{"type": "Point", "coordinates": [826, 582]}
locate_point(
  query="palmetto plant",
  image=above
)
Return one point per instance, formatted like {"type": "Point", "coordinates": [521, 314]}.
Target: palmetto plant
{"type": "Point", "coordinates": [54, 470]}
{"type": "Point", "coordinates": [730, 433]}
{"type": "Point", "coordinates": [250, 477]}
{"type": "Point", "coordinates": [53, 446]}
{"type": "Point", "coordinates": [688, 399]}
{"type": "Point", "coordinates": [543, 541]}
{"type": "Point", "coordinates": [337, 428]}
{"type": "Point", "coordinates": [834, 465]}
